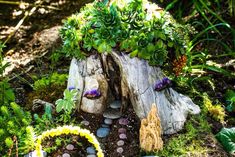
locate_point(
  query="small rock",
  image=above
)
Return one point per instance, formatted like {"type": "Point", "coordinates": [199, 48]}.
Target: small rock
{"type": "Point", "coordinates": [33, 154]}
{"type": "Point", "coordinates": [112, 113]}
{"type": "Point", "coordinates": [102, 132]}
{"type": "Point", "coordinates": [65, 155]}
{"type": "Point", "coordinates": [104, 126]}
{"type": "Point", "coordinates": [85, 122]}
{"type": "Point", "coordinates": [116, 104]}
{"type": "Point", "coordinates": [120, 143]}
{"type": "Point", "coordinates": [108, 121]}
{"type": "Point", "coordinates": [123, 121]}
{"type": "Point", "coordinates": [120, 150]}
{"type": "Point", "coordinates": [122, 136]}
{"type": "Point", "coordinates": [121, 130]}
{"type": "Point", "coordinates": [70, 147]}
{"type": "Point", "coordinates": [91, 155]}
{"type": "Point", "coordinates": [90, 150]}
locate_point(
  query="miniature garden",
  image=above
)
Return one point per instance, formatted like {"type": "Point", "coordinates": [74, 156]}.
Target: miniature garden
{"type": "Point", "coordinates": [117, 78]}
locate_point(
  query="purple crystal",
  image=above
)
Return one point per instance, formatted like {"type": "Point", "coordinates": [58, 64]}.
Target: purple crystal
{"type": "Point", "coordinates": [94, 93]}
{"type": "Point", "coordinates": [71, 88]}
{"type": "Point", "coordinates": [166, 81]}
{"type": "Point", "coordinates": [162, 84]}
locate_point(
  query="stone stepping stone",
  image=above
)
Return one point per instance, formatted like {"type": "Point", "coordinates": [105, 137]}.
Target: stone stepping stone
{"type": "Point", "coordinates": [121, 130]}
{"type": "Point", "coordinates": [120, 143]}
{"type": "Point", "coordinates": [123, 136]}
{"type": "Point", "coordinates": [85, 122]}
{"type": "Point", "coordinates": [70, 147]}
{"type": "Point", "coordinates": [116, 104]}
{"type": "Point", "coordinates": [91, 155]}
{"type": "Point", "coordinates": [90, 150]}
{"type": "Point", "coordinates": [112, 113]}
{"type": "Point", "coordinates": [65, 155]}
{"type": "Point", "coordinates": [104, 126]}
{"type": "Point", "coordinates": [108, 121]}
{"type": "Point", "coordinates": [123, 121]}
{"type": "Point", "coordinates": [120, 150]}
{"type": "Point", "coordinates": [102, 132]}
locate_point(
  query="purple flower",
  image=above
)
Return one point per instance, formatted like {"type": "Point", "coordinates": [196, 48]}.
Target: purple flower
{"type": "Point", "coordinates": [94, 93]}
{"type": "Point", "coordinates": [162, 84]}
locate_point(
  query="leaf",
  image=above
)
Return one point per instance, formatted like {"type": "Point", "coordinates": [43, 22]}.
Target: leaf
{"type": "Point", "coordinates": [219, 70]}
{"type": "Point", "coordinates": [134, 53]}
{"type": "Point", "coordinates": [160, 44]}
{"type": "Point", "coordinates": [59, 105]}
{"type": "Point", "coordinates": [104, 47]}
{"type": "Point", "coordinates": [227, 138]}
{"type": "Point", "coordinates": [151, 48]}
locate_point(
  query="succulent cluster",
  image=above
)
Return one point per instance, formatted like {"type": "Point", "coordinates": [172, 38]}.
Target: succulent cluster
{"type": "Point", "coordinates": [162, 84]}
{"type": "Point", "coordinates": [137, 27]}
{"type": "Point", "coordinates": [179, 64]}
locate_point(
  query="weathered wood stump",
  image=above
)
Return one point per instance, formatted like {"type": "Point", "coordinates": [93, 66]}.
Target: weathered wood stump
{"type": "Point", "coordinates": [131, 80]}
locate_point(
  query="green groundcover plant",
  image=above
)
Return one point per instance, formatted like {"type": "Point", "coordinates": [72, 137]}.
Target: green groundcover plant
{"type": "Point", "coordinates": [137, 27]}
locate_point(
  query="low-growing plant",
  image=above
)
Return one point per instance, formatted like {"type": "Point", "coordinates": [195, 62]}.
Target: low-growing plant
{"type": "Point", "coordinates": [128, 26]}
{"type": "Point", "coordinates": [67, 105]}
{"type": "Point", "coordinates": [13, 122]}
{"type": "Point", "coordinates": [54, 79]}
{"type": "Point", "coordinates": [188, 143]}
{"type": "Point", "coordinates": [216, 111]}
{"type": "Point", "coordinates": [44, 122]}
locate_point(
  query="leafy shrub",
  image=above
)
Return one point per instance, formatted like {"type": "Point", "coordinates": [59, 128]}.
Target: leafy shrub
{"type": "Point", "coordinates": [131, 27]}
{"type": "Point", "coordinates": [53, 80]}
{"type": "Point", "coordinates": [13, 122]}
{"type": "Point", "coordinates": [67, 104]}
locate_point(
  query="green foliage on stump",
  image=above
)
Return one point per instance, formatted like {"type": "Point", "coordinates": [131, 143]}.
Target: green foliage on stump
{"type": "Point", "coordinates": [134, 27]}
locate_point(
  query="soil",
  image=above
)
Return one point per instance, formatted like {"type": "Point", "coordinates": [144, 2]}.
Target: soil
{"type": "Point", "coordinates": [25, 43]}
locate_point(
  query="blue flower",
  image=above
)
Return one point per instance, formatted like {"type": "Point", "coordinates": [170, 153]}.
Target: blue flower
{"type": "Point", "coordinates": [94, 93]}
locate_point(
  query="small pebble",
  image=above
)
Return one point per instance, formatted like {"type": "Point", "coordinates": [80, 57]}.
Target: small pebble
{"type": "Point", "coordinates": [102, 132]}
{"type": "Point", "coordinates": [85, 122]}
{"type": "Point", "coordinates": [123, 121]}
{"type": "Point", "coordinates": [122, 136]}
{"type": "Point", "coordinates": [120, 143]}
{"type": "Point", "coordinates": [90, 150]}
{"type": "Point", "coordinates": [70, 147]}
{"type": "Point", "coordinates": [91, 155]}
{"type": "Point", "coordinates": [116, 104]}
{"type": "Point", "coordinates": [120, 150]}
{"type": "Point", "coordinates": [121, 130]}
{"type": "Point", "coordinates": [65, 155]}
{"type": "Point", "coordinates": [108, 121]}
{"type": "Point", "coordinates": [112, 113]}
{"type": "Point", "coordinates": [104, 126]}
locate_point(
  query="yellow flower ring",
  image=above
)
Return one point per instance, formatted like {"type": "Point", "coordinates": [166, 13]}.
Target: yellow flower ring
{"type": "Point", "coordinates": [68, 130]}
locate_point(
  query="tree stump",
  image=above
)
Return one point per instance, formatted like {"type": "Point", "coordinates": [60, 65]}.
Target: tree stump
{"type": "Point", "coordinates": [131, 80]}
